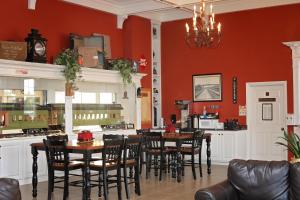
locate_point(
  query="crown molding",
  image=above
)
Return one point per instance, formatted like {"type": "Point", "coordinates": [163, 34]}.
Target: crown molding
{"type": "Point", "coordinates": [169, 10]}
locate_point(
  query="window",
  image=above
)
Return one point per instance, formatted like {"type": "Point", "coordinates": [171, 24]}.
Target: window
{"type": "Point", "coordinates": [88, 97]}
{"type": "Point", "coordinates": [107, 98]}
{"type": "Point", "coordinates": [59, 97]}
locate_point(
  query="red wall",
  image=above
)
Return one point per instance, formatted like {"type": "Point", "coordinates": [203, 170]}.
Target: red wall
{"type": "Point", "coordinates": [251, 48]}
{"type": "Point", "coordinates": [137, 43]}
{"type": "Point", "coordinates": [56, 19]}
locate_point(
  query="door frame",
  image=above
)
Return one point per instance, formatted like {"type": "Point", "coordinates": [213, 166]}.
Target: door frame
{"type": "Point", "coordinates": [250, 85]}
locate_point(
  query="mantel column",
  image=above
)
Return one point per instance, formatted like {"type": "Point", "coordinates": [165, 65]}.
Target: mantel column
{"type": "Point", "coordinates": [295, 46]}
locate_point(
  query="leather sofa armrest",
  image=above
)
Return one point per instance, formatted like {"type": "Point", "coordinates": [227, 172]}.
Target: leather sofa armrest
{"type": "Point", "coordinates": [9, 189]}
{"type": "Point", "coordinates": [220, 191]}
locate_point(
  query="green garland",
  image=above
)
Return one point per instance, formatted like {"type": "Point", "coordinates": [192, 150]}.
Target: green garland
{"type": "Point", "coordinates": [125, 68]}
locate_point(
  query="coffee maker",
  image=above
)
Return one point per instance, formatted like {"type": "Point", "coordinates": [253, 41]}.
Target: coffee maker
{"type": "Point", "coordinates": [185, 119]}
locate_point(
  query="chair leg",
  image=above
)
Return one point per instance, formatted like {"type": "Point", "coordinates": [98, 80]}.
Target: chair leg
{"type": "Point", "coordinates": [161, 165]}
{"type": "Point", "coordinates": [200, 164]}
{"type": "Point", "coordinates": [141, 162]}
{"type": "Point", "coordinates": [137, 180]}
{"type": "Point", "coordinates": [182, 169]}
{"type": "Point", "coordinates": [156, 165]}
{"type": "Point", "coordinates": [66, 185]}
{"type": "Point", "coordinates": [119, 186]}
{"type": "Point", "coordinates": [105, 187]}
{"type": "Point", "coordinates": [169, 163]}
{"type": "Point", "coordinates": [193, 166]}
{"type": "Point", "coordinates": [126, 181]}
{"type": "Point", "coordinates": [99, 184]}
{"type": "Point", "coordinates": [50, 184]}
{"type": "Point", "coordinates": [147, 165]}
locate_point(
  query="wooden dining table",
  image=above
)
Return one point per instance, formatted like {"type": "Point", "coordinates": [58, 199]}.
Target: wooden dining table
{"type": "Point", "coordinates": [87, 149]}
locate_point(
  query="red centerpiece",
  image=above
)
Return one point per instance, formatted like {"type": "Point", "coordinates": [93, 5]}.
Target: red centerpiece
{"type": "Point", "coordinates": [85, 136]}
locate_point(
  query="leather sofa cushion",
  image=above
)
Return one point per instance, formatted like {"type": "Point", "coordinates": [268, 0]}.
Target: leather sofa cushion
{"type": "Point", "coordinates": [295, 181]}
{"type": "Point", "coordinates": [9, 189]}
{"type": "Point", "coordinates": [260, 180]}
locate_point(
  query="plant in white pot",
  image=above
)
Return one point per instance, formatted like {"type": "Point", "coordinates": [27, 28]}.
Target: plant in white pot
{"type": "Point", "coordinates": [72, 71]}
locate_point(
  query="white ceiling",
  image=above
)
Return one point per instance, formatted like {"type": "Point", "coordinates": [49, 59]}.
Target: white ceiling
{"type": "Point", "coordinates": [168, 10]}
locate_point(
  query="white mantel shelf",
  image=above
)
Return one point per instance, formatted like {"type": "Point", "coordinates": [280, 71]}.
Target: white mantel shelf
{"type": "Point", "coordinates": [50, 71]}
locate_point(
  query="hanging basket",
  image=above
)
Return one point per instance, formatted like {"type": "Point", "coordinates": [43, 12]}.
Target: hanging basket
{"type": "Point", "coordinates": [69, 89]}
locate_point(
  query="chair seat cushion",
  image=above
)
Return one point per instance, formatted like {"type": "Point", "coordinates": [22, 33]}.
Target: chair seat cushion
{"type": "Point", "coordinates": [72, 165]}
{"type": "Point", "coordinates": [260, 180]}
{"type": "Point", "coordinates": [189, 150]}
{"type": "Point", "coordinates": [129, 163]}
{"type": "Point", "coordinates": [98, 165]}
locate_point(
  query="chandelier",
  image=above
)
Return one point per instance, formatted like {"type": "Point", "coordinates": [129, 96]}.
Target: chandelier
{"type": "Point", "coordinates": [205, 31]}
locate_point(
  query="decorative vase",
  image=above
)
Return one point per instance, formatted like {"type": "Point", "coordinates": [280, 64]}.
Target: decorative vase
{"type": "Point", "coordinates": [294, 160]}
{"type": "Point", "coordinates": [69, 89]}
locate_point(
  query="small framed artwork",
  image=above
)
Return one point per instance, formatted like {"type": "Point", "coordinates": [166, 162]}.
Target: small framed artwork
{"type": "Point", "coordinates": [207, 87]}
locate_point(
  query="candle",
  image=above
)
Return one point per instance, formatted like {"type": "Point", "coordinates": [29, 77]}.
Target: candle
{"type": "Point", "coordinates": [219, 27]}
{"type": "Point", "coordinates": [211, 8]}
{"type": "Point", "coordinates": [194, 9]}
{"type": "Point", "coordinates": [187, 27]}
{"type": "Point", "coordinates": [203, 6]}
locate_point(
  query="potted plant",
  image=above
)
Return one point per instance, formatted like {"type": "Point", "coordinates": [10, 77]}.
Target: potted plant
{"type": "Point", "coordinates": [292, 143]}
{"type": "Point", "coordinates": [72, 71]}
{"type": "Point", "coordinates": [125, 68]}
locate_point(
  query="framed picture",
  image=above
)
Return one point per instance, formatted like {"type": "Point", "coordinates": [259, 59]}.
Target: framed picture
{"type": "Point", "coordinates": [207, 87]}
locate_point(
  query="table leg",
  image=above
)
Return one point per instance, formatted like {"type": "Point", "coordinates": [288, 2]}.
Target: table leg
{"type": "Point", "coordinates": [179, 160]}
{"type": "Point", "coordinates": [86, 189]}
{"type": "Point", "coordinates": [34, 153]}
{"type": "Point", "coordinates": [208, 154]}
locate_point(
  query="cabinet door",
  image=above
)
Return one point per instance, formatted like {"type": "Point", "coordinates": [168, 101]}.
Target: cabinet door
{"type": "Point", "coordinates": [228, 145]}
{"type": "Point", "coordinates": [216, 148]}
{"type": "Point", "coordinates": [11, 159]}
{"type": "Point", "coordinates": [241, 145]}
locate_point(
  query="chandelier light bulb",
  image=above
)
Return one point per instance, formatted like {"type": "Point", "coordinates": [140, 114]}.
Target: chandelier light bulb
{"type": "Point", "coordinates": [207, 32]}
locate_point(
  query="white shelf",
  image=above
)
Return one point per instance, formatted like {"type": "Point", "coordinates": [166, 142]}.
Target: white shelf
{"type": "Point", "coordinates": [49, 71]}
{"type": "Point", "coordinates": [156, 64]}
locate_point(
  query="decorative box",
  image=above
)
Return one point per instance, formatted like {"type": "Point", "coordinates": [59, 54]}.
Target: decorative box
{"type": "Point", "coordinates": [13, 50]}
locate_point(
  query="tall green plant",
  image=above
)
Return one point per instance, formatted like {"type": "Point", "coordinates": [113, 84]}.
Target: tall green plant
{"type": "Point", "coordinates": [69, 58]}
{"type": "Point", "coordinates": [125, 68]}
{"type": "Point", "coordinates": [291, 142]}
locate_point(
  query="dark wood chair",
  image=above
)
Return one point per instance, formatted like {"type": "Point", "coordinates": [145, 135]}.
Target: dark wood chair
{"type": "Point", "coordinates": [131, 159]}
{"type": "Point", "coordinates": [155, 148]}
{"type": "Point", "coordinates": [110, 161]}
{"type": "Point", "coordinates": [193, 147]}
{"type": "Point", "coordinates": [143, 147]}
{"type": "Point", "coordinates": [58, 160]}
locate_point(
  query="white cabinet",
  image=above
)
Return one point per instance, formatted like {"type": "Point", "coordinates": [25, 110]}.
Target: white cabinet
{"type": "Point", "coordinates": [225, 146]}
{"type": "Point", "coordinates": [11, 162]}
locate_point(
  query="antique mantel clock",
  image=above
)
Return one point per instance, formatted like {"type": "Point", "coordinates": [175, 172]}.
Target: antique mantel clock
{"type": "Point", "coordinates": [36, 47]}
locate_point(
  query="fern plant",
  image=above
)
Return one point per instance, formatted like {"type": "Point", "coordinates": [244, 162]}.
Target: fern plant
{"type": "Point", "coordinates": [291, 142]}
{"type": "Point", "coordinates": [125, 68]}
{"type": "Point", "coordinates": [72, 71]}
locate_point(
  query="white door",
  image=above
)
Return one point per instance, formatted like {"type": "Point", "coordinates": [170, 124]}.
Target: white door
{"type": "Point", "coordinates": [266, 117]}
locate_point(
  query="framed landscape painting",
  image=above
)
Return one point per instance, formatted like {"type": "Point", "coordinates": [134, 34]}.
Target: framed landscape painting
{"type": "Point", "coordinates": [207, 87]}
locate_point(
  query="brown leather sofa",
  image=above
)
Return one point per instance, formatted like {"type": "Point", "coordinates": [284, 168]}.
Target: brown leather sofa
{"type": "Point", "coordinates": [9, 189]}
{"type": "Point", "coordinates": [256, 180]}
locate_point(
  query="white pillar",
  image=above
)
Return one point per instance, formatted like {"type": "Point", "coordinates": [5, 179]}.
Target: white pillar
{"type": "Point", "coordinates": [68, 115]}
{"type": "Point", "coordinates": [295, 46]}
